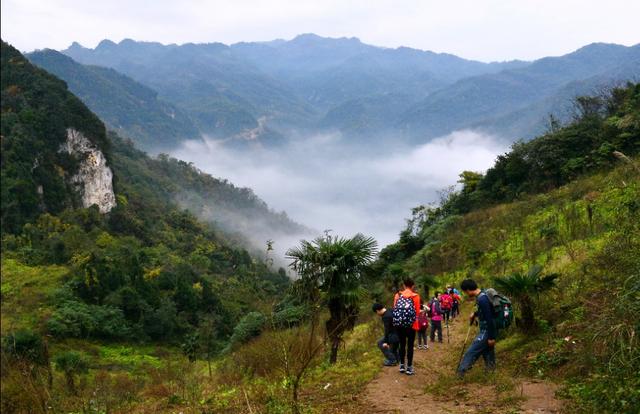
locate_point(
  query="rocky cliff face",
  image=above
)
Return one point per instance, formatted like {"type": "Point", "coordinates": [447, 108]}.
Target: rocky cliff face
{"type": "Point", "coordinates": [94, 179]}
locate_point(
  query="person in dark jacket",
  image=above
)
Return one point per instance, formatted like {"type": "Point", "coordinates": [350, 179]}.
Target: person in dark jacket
{"type": "Point", "coordinates": [388, 344]}
{"type": "Point", "coordinates": [483, 344]}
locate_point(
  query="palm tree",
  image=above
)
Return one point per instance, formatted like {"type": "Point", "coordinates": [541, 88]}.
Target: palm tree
{"type": "Point", "coordinates": [524, 289]}
{"type": "Point", "coordinates": [333, 267]}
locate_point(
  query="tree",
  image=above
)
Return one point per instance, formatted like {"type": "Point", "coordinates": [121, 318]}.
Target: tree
{"type": "Point", "coordinates": [71, 364]}
{"type": "Point", "coordinates": [334, 266]}
{"type": "Point", "coordinates": [524, 288]}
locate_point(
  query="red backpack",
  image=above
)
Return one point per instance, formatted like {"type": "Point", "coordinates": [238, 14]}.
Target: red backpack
{"type": "Point", "coordinates": [423, 321]}
{"type": "Point", "coordinates": [446, 302]}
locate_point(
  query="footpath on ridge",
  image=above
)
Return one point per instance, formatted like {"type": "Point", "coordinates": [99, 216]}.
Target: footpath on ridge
{"type": "Point", "coordinates": [393, 392]}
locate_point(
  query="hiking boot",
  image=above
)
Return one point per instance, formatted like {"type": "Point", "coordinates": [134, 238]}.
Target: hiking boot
{"type": "Point", "coordinates": [401, 368]}
{"type": "Point", "coordinates": [409, 371]}
{"type": "Point", "coordinates": [388, 363]}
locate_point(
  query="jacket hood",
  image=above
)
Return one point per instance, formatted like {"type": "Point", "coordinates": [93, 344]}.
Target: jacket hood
{"type": "Point", "coordinates": [408, 293]}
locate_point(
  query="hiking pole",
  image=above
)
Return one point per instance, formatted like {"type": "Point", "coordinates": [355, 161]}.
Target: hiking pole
{"type": "Point", "coordinates": [464, 345]}
{"type": "Point", "coordinates": [448, 332]}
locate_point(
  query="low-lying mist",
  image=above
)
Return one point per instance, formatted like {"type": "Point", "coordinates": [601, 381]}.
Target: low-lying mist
{"type": "Point", "coordinates": [327, 183]}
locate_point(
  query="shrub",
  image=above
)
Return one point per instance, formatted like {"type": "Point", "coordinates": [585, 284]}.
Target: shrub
{"type": "Point", "coordinates": [248, 328]}
{"type": "Point", "coordinates": [79, 320]}
{"type": "Point", "coordinates": [71, 363]}
{"type": "Point", "coordinates": [290, 316]}
{"type": "Point", "coordinates": [25, 346]}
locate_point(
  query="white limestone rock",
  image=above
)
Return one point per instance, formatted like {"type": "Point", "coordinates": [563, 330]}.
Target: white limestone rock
{"type": "Point", "coordinates": [94, 178]}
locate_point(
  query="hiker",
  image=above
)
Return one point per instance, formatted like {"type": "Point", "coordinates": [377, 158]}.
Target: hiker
{"type": "Point", "coordinates": [388, 344]}
{"type": "Point", "coordinates": [406, 308]}
{"type": "Point", "coordinates": [455, 309]}
{"type": "Point", "coordinates": [446, 303]}
{"type": "Point", "coordinates": [423, 324]}
{"type": "Point", "coordinates": [436, 318]}
{"type": "Point", "coordinates": [483, 344]}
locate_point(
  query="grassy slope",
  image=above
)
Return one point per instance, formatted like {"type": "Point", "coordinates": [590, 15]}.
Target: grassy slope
{"type": "Point", "coordinates": [26, 291]}
{"type": "Point", "coordinates": [595, 259]}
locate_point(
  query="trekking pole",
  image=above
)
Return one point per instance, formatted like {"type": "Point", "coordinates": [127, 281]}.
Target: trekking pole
{"type": "Point", "coordinates": [464, 345]}
{"type": "Point", "coordinates": [448, 341]}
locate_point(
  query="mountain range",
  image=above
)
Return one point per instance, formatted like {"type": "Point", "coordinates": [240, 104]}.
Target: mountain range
{"type": "Point", "coordinates": [265, 92]}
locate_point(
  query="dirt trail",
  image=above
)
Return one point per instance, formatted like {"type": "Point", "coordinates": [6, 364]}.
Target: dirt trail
{"type": "Point", "coordinates": [392, 392]}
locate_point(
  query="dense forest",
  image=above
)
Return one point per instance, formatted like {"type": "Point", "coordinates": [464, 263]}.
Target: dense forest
{"type": "Point", "coordinates": [146, 271]}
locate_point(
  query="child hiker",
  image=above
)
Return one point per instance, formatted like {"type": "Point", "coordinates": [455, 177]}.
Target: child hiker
{"type": "Point", "coordinates": [423, 324]}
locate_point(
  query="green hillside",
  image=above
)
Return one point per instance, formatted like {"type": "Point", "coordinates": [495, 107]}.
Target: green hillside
{"type": "Point", "coordinates": [79, 285]}
{"type": "Point", "coordinates": [144, 308]}
{"type": "Point", "coordinates": [586, 230]}
{"type": "Point", "coordinates": [126, 106]}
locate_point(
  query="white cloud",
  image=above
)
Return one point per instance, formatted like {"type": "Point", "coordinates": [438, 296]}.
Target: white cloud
{"type": "Point", "coordinates": [479, 29]}
{"type": "Point", "coordinates": [325, 183]}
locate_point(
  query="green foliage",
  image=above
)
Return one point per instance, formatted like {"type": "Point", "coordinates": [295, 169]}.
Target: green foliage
{"type": "Point", "coordinates": [334, 266]}
{"type": "Point", "coordinates": [72, 364]}
{"type": "Point", "coordinates": [249, 327]}
{"type": "Point", "coordinates": [79, 320]}
{"type": "Point", "coordinates": [36, 110]}
{"type": "Point", "coordinates": [146, 271]}
{"type": "Point", "coordinates": [524, 288]}
{"type": "Point", "coordinates": [290, 316]}
{"type": "Point", "coordinates": [570, 213]}
{"type": "Point", "coordinates": [25, 346]}
{"type": "Point", "coordinates": [584, 146]}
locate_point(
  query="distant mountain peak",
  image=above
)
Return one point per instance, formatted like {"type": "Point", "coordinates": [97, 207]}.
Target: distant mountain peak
{"type": "Point", "coordinates": [106, 44]}
{"type": "Point", "coordinates": [76, 45]}
{"type": "Point", "coordinates": [312, 37]}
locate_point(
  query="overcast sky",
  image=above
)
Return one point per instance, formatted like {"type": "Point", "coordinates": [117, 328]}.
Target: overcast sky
{"type": "Point", "coordinates": [478, 29]}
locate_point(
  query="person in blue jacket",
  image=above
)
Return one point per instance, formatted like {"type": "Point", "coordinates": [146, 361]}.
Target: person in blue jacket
{"type": "Point", "coordinates": [483, 344]}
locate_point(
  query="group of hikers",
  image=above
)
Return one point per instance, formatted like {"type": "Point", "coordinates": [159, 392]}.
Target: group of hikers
{"type": "Point", "coordinates": [410, 315]}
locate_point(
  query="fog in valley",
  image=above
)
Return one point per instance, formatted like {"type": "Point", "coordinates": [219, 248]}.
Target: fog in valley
{"type": "Point", "coordinates": [327, 183]}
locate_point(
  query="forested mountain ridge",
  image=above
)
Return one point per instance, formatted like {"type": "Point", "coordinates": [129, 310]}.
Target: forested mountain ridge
{"type": "Point", "coordinates": [143, 271]}
{"type": "Point", "coordinates": [126, 106]}
{"type": "Point", "coordinates": [260, 91]}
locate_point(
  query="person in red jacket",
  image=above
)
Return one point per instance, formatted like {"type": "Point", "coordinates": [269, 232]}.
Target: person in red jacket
{"type": "Point", "coordinates": [408, 334]}
{"type": "Point", "coordinates": [446, 303]}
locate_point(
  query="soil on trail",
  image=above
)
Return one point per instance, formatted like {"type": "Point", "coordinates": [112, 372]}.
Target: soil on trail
{"type": "Point", "coordinates": [393, 392]}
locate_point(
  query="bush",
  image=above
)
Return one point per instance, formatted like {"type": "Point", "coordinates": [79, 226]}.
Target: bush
{"type": "Point", "coordinates": [248, 328]}
{"type": "Point", "coordinates": [79, 320]}
{"type": "Point", "coordinates": [25, 346]}
{"type": "Point", "coordinates": [290, 316]}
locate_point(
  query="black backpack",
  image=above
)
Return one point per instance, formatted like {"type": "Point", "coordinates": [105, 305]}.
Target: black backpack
{"type": "Point", "coordinates": [404, 313]}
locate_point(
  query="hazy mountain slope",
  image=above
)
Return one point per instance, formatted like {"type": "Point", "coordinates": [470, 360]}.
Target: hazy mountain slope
{"type": "Point", "coordinates": [223, 94]}
{"type": "Point", "coordinates": [228, 89]}
{"type": "Point", "coordinates": [125, 105]}
{"type": "Point", "coordinates": [255, 92]}
{"type": "Point", "coordinates": [329, 71]}
{"type": "Point", "coordinates": [472, 100]}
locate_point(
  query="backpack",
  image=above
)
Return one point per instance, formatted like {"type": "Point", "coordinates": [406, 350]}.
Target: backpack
{"type": "Point", "coordinates": [423, 321]}
{"type": "Point", "coordinates": [434, 308]}
{"type": "Point", "coordinates": [404, 312]}
{"type": "Point", "coordinates": [456, 299]}
{"type": "Point", "coordinates": [446, 302]}
{"type": "Point", "coordinates": [502, 308]}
